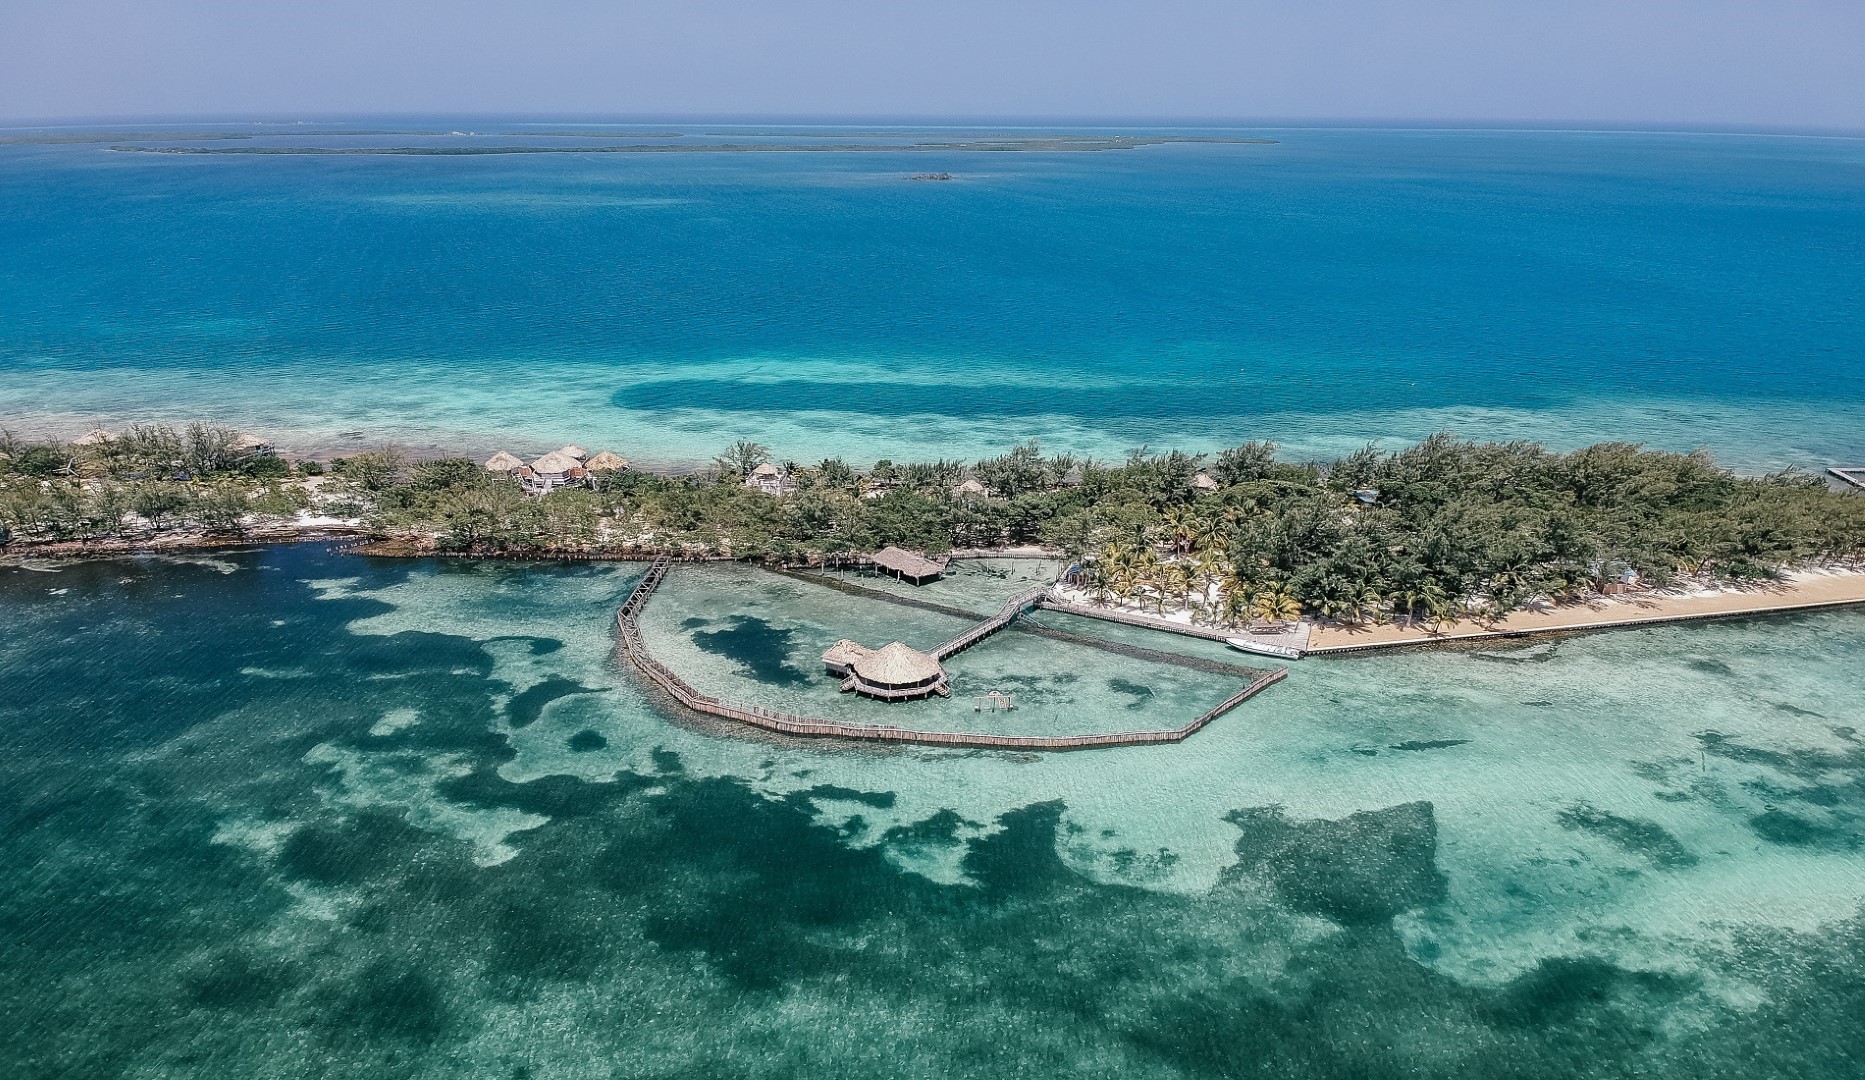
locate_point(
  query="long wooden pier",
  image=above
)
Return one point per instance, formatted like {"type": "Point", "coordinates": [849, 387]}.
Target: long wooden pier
{"type": "Point", "coordinates": [635, 650]}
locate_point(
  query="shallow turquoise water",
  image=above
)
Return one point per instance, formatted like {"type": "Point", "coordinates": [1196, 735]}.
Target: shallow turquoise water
{"type": "Point", "coordinates": [1334, 288]}
{"type": "Point", "coordinates": [282, 813]}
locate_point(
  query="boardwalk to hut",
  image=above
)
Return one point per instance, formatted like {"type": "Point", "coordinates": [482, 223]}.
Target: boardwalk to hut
{"type": "Point", "coordinates": [634, 649]}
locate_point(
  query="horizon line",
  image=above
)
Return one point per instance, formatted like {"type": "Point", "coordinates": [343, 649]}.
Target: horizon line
{"type": "Point", "coordinates": [935, 120]}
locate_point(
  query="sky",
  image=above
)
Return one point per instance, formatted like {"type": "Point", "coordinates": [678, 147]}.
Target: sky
{"type": "Point", "coordinates": [1735, 63]}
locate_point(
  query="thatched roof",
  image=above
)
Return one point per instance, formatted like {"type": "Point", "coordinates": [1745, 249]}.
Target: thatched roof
{"type": "Point", "coordinates": [243, 441]}
{"type": "Point", "coordinates": [971, 487]}
{"type": "Point", "coordinates": [896, 665]}
{"type": "Point", "coordinates": [606, 462]}
{"type": "Point", "coordinates": [845, 652]}
{"type": "Point", "coordinates": [504, 462]}
{"type": "Point", "coordinates": [906, 562]}
{"type": "Point", "coordinates": [1203, 482]}
{"type": "Point", "coordinates": [94, 437]}
{"type": "Point", "coordinates": [556, 462]}
{"type": "Point", "coordinates": [767, 469]}
{"type": "Point", "coordinates": [574, 451]}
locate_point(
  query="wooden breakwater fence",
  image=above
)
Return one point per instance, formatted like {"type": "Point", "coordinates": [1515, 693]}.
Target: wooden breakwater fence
{"type": "Point", "coordinates": [634, 649]}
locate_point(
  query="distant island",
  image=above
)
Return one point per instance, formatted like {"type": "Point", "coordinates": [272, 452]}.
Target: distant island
{"type": "Point", "coordinates": [990, 144]}
{"type": "Point", "coordinates": [1419, 539]}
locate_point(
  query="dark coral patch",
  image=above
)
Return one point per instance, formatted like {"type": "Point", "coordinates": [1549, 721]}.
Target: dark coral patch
{"type": "Point", "coordinates": [1635, 836]}
{"type": "Point", "coordinates": [1363, 869]}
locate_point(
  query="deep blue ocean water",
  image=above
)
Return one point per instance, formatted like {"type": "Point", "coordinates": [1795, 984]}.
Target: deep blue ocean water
{"type": "Point", "coordinates": [285, 812]}
{"type": "Point", "coordinates": [1334, 288]}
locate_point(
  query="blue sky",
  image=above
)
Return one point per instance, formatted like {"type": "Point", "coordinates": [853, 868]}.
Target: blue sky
{"type": "Point", "coordinates": [1774, 63]}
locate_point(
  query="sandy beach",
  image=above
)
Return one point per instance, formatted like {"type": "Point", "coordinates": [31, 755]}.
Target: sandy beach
{"type": "Point", "coordinates": [1802, 590]}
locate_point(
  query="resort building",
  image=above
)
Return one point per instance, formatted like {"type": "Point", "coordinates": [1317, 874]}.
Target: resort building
{"type": "Point", "coordinates": [769, 479]}
{"type": "Point", "coordinates": [503, 462]}
{"type": "Point", "coordinates": [894, 672]}
{"type": "Point", "coordinates": [550, 472]}
{"type": "Point", "coordinates": [907, 565]}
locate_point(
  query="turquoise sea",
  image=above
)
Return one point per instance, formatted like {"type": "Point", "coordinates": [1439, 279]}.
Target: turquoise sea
{"type": "Point", "coordinates": [286, 813]}
{"type": "Point", "coordinates": [1332, 288]}
{"type": "Point", "coordinates": [282, 812]}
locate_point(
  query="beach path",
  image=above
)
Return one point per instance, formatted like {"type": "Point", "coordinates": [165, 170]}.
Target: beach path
{"type": "Point", "coordinates": [1798, 592]}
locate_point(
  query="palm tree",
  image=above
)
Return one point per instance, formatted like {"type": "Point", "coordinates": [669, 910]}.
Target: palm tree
{"type": "Point", "coordinates": [1274, 604]}
{"type": "Point", "coordinates": [1209, 568]}
{"type": "Point", "coordinates": [1182, 525]}
{"type": "Point", "coordinates": [1234, 603]}
{"type": "Point", "coordinates": [1439, 605]}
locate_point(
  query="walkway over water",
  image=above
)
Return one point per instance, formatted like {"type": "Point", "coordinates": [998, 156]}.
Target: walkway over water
{"type": "Point", "coordinates": [632, 647]}
{"type": "Point", "coordinates": [1045, 601]}
{"type": "Point", "coordinates": [1017, 605]}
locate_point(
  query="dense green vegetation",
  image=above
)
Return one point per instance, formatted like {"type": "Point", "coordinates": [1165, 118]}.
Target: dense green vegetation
{"type": "Point", "coordinates": [1435, 531]}
{"type": "Point", "coordinates": [150, 479]}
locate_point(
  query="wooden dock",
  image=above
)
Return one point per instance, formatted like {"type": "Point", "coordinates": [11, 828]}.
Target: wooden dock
{"type": "Point", "coordinates": [1147, 622]}
{"type": "Point", "coordinates": [634, 649]}
{"type": "Point", "coordinates": [1851, 474]}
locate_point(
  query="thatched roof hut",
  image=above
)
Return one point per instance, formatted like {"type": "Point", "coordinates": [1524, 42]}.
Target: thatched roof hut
{"type": "Point", "coordinates": [907, 565]}
{"type": "Point", "coordinates": [1203, 482]}
{"type": "Point", "coordinates": [251, 444]}
{"type": "Point", "coordinates": [503, 462]}
{"type": "Point", "coordinates": [574, 451]}
{"type": "Point", "coordinates": [971, 486]}
{"type": "Point", "coordinates": [606, 462]}
{"type": "Point", "coordinates": [840, 657]}
{"type": "Point", "coordinates": [896, 666]}
{"type": "Point", "coordinates": [94, 437]}
{"type": "Point", "coordinates": [556, 463]}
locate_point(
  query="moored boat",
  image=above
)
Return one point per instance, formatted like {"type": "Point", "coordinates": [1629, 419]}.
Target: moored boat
{"type": "Point", "coordinates": [1264, 648]}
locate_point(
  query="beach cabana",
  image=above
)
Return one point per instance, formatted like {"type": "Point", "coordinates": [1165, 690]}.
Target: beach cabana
{"type": "Point", "coordinates": [574, 451]}
{"type": "Point", "coordinates": [1203, 482]}
{"type": "Point", "coordinates": [971, 488]}
{"type": "Point", "coordinates": [552, 471]}
{"type": "Point", "coordinates": [769, 479]}
{"type": "Point", "coordinates": [907, 565]}
{"type": "Point", "coordinates": [606, 462]}
{"type": "Point", "coordinates": [503, 462]}
{"type": "Point", "coordinates": [894, 672]}
{"type": "Point", "coordinates": [94, 437]}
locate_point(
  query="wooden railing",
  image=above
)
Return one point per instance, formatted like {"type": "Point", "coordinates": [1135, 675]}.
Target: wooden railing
{"type": "Point", "coordinates": [630, 643]}
{"type": "Point", "coordinates": [1018, 604]}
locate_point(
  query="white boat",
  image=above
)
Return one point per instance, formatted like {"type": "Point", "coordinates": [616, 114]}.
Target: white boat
{"type": "Point", "coordinates": [1264, 648]}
